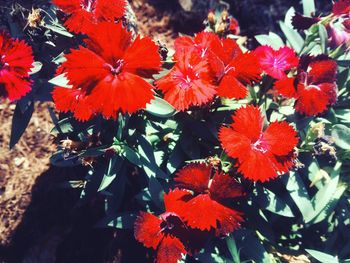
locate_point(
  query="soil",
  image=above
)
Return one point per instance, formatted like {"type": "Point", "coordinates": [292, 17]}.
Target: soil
{"type": "Point", "coordinates": [43, 222]}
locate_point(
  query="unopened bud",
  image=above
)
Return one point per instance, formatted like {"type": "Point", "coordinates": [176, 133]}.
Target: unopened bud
{"type": "Point", "coordinates": [211, 18]}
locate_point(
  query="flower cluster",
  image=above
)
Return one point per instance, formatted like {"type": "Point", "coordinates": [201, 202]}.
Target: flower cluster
{"type": "Point", "coordinates": [198, 207]}
{"type": "Point", "coordinates": [110, 73]}
{"type": "Point", "coordinates": [207, 66]}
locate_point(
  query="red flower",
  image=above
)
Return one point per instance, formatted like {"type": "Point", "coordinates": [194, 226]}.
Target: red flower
{"type": "Point", "coordinates": [341, 7]}
{"type": "Point", "coordinates": [189, 81]}
{"type": "Point", "coordinates": [276, 62]}
{"type": "Point", "coordinates": [260, 155]}
{"type": "Point", "coordinates": [234, 26]}
{"type": "Point", "coordinates": [85, 14]}
{"type": "Point", "coordinates": [167, 233]}
{"type": "Point", "coordinates": [107, 74]}
{"type": "Point", "coordinates": [314, 88]}
{"type": "Point", "coordinates": [201, 43]}
{"type": "Point", "coordinates": [16, 59]}
{"type": "Point", "coordinates": [205, 209]}
{"type": "Point", "coordinates": [233, 68]}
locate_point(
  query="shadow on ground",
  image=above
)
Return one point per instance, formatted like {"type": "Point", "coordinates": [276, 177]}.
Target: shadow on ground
{"type": "Point", "coordinates": [57, 228]}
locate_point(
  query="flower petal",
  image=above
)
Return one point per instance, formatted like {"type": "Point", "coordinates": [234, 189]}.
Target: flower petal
{"type": "Point", "coordinates": [170, 250]}
{"type": "Point", "coordinates": [74, 101]}
{"type": "Point", "coordinates": [281, 138]}
{"type": "Point", "coordinates": [175, 200]}
{"type": "Point", "coordinates": [126, 92]}
{"type": "Point", "coordinates": [147, 230]}
{"type": "Point", "coordinates": [109, 40]}
{"type": "Point", "coordinates": [224, 186]}
{"type": "Point", "coordinates": [194, 177]}
{"type": "Point", "coordinates": [146, 49]}
{"type": "Point", "coordinates": [206, 214]}
{"type": "Point", "coordinates": [248, 121]}
{"type": "Point", "coordinates": [84, 60]}
{"type": "Point", "coordinates": [322, 70]}
{"type": "Point", "coordinates": [285, 87]}
{"type": "Point", "coordinates": [315, 100]}
{"type": "Point", "coordinates": [231, 88]}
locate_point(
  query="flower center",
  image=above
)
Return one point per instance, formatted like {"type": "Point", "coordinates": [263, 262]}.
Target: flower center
{"type": "Point", "coordinates": [117, 67]}
{"type": "Point", "coordinates": [185, 79]}
{"type": "Point", "coordinates": [260, 145]}
{"type": "Point", "coordinates": [170, 222]}
{"type": "Point", "coordinates": [277, 63]}
{"type": "Point", "coordinates": [88, 5]}
{"type": "Point", "coordinates": [3, 64]}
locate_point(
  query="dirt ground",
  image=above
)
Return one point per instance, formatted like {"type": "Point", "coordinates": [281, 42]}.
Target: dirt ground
{"type": "Point", "coordinates": [41, 222]}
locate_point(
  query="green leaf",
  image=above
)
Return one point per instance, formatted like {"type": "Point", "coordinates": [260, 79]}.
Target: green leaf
{"type": "Point", "coordinates": [149, 164]}
{"type": "Point", "coordinates": [343, 115]}
{"type": "Point", "coordinates": [123, 221]}
{"type": "Point", "coordinates": [63, 126]}
{"type": "Point", "coordinates": [60, 81]}
{"type": "Point", "coordinates": [331, 205]}
{"type": "Point", "coordinates": [293, 37]}
{"type": "Point", "coordinates": [36, 67]}
{"type": "Point", "coordinates": [59, 30]}
{"type": "Point", "coordinates": [20, 121]}
{"type": "Point", "coordinates": [251, 247]}
{"type": "Point", "coordinates": [269, 201]}
{"type": "Point", "coordinates": [343, 63]}
{"type": "Point", "coordinates": [323, 197]}
{"type": "Point", "coordinates": [309, 7]}
{"type": "Point", "coordinates": [232, 247]}
{"type": "Point", "coordinates": [157, 192]}
{"type": "Point", "coordinates": [111, 173]}
{"type": "Point", "coordinates": [132, 156]}
{"type": "Point", "coordinates": [322, 31]}
{"type": "Point", "coordinates": [160, 108]}
{"type": "Point", "coordinates": [271, 39]}
{"type": "Point", "coordinates": [322, 257]}
{"type": "Point", "coordinates": [341, 135]}
{"type": "Point", "coordinates": [298, 192]}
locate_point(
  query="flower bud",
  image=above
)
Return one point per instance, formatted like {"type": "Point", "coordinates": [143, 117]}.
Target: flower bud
{"type": "Point", "coordinates": [211, 18]}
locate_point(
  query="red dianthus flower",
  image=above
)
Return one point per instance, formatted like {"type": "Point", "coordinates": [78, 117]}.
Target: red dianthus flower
{"type": "Point", "coordinates": [314, 88]}
{"type": "Point", "coordinates": [260, 155]}
{"type": "Point", "coordinates": [201, 43]}
{"type": "Point", "coordinates": [85, 14]}
{"type": "Point", "coordinates": [16, 59]}
{"type": "Point", "coordinates": [107, 75]}
{"type": "Point", "coordinates": [276, 62]}
{"type": "Point", "coordinates": [189, 83]}
{"type": "Point", "coordinates": [168, 233]}
{"type": "Point", "coordinates": [233, 68]}
{"type": "Point", "coordinates": [341, 7]}
{"type": "Point", "coordinates": [206, 207]}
